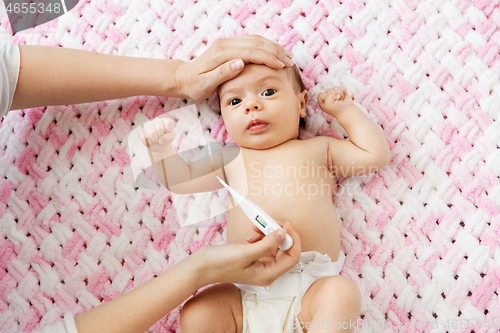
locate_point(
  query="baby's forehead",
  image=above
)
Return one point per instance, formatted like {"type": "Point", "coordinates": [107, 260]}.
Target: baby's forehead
{"type": "Point", "coordinates": [254, 72]}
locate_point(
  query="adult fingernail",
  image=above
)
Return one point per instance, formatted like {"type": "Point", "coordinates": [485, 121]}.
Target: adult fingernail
{"type": "Point", "coordinates": [289, 61]}
{"type": "Point", "coordinates": [236, 65]}
{"type": "Point", "coordinates": [251, 238]}
{"type": "Point", "coordinates": [281, 63]}
{"type": "Point", "coordinates": [280, 235]}
{"type": "Point", "coordinates": [288, 53]}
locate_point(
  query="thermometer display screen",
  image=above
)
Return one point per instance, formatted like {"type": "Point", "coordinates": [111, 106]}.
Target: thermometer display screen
{"type": "Point", "coordinates": [261, 221]}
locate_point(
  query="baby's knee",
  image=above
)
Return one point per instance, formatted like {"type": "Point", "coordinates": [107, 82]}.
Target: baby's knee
{"type": "Point", "coordinates": [191, 315]}
{"type": "Point", "coordinates": [211, 309]}
{"type": "Point", "coordinates": [343, 290]}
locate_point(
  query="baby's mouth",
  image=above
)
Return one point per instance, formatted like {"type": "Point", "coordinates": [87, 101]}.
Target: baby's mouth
{"type": "Point", "coordinates": [256, 125]}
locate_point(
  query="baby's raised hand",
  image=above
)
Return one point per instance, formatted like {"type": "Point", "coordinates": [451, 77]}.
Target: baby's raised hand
{"type": "Point", "coordinates": [159, 134]}
{"type": "Point", "coordinates": [335, 101]}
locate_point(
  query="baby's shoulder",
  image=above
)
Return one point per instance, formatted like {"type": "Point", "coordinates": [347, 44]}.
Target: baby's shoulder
{"type": "Point", "coordinates": [316, 142]}
{"type": "Point", "coordinates": [317, 145]}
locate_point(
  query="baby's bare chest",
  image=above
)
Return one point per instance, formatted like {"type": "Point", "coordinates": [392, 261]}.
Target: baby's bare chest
{"type": "Point", "coordinates": [291, 183]}
{"type": "Point", "coordinates": [289, 173]}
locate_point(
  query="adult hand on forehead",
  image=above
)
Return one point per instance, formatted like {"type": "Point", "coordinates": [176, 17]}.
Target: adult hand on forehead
{"type": "Point", "coordinates": [224, 60]}
{"type": "Point", "coordinates": [59, 76]}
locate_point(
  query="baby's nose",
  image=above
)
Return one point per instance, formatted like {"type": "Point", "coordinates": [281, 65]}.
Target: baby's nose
{"type": "Point", "coordinates": [253, 106]}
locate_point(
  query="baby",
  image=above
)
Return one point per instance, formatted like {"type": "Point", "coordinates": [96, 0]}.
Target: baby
{"type": "Point", "coordinates": [293, 181]}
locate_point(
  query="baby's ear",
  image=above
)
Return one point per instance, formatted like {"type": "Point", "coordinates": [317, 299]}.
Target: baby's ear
{"type": "Point", "coordinates": [304, 98]}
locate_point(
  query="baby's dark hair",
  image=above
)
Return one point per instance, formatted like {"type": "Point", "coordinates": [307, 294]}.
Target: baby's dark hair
{"type": "Point", "coordinates": [298, 86]}
{"type": "Point", "coordinates": [297, 79]}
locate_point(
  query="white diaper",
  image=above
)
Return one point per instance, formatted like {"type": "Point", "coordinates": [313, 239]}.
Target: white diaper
{"type": "Point", "coordinates": [274, 309]}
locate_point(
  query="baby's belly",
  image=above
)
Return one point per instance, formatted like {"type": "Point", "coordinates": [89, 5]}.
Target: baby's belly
{"type": "Point", "coordinates": [315, 220]}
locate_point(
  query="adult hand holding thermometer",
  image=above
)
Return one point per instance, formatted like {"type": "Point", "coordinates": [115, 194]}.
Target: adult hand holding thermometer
{"type": "Point", "coordinates": [258, 216]}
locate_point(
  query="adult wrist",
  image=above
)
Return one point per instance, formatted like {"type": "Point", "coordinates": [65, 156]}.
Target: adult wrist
{"type": "Point", "coordinates": [176, 87]}
{"type": "Point", "coordinates": [197, 269]}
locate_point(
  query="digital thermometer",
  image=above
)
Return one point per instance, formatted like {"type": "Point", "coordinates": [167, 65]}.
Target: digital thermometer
{"type": "Point", "coordinates": [258, 216]}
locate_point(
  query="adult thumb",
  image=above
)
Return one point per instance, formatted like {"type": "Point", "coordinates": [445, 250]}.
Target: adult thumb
{"type": "Point", "coordinates": [236, 65]}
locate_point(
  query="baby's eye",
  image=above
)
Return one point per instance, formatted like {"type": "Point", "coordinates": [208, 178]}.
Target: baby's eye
{"type": "Point", "coordinates": [269, 92]}
{"type": "Point", "coordinates": [235, 101]}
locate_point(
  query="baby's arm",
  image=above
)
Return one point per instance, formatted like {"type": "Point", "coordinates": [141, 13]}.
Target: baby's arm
{"type": "Point", "coordinates": [366, 150]}
{"type": "Point", "coordinates": [173, 172]}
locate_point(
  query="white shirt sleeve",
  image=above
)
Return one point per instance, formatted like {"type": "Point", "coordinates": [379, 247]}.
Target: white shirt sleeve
{"type": "Point", "coordinates": [67, 325]}
{"type": "Point", "coordinates": [9, 72]}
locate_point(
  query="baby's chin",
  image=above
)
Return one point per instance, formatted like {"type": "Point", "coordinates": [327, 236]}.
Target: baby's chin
{"type": "Point", "coordinates": [262, 145]}
{"type": "Point", "coordinates": [257, 147]}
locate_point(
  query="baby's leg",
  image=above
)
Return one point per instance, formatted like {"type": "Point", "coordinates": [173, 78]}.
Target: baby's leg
{"type": "Point", "coordinates": [331, 304]}
{"type": "Point", "coordinates": [216, 309]}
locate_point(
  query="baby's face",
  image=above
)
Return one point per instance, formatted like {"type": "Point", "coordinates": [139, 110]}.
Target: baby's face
{"type": "Point", "coordinates": [260, 107]}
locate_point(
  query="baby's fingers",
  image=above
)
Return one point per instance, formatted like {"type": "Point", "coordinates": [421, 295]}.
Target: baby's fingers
{"type": "Point", "coordinates": [157, 128]}
{"type": "Point", "coordinates": [167, 138]}
{"type": "Point", "coordinates": [338, 93]}
{"type": "Point", "coordinates": [169, 124]}
{"type": "Point", "coordinates": [163, 125]}
{"type": "Point", "coordinates": [344, 89]}
{"type": "Point", "coordinates": [149, 135]}
{"type": "Point", "coordinates": [321, 97]}
{"type": "Point", "coordinates": [327, 97]}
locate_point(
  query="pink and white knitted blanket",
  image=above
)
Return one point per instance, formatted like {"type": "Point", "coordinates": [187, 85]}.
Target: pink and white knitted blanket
{"type": "Point", "coordinates": [421, 236]}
